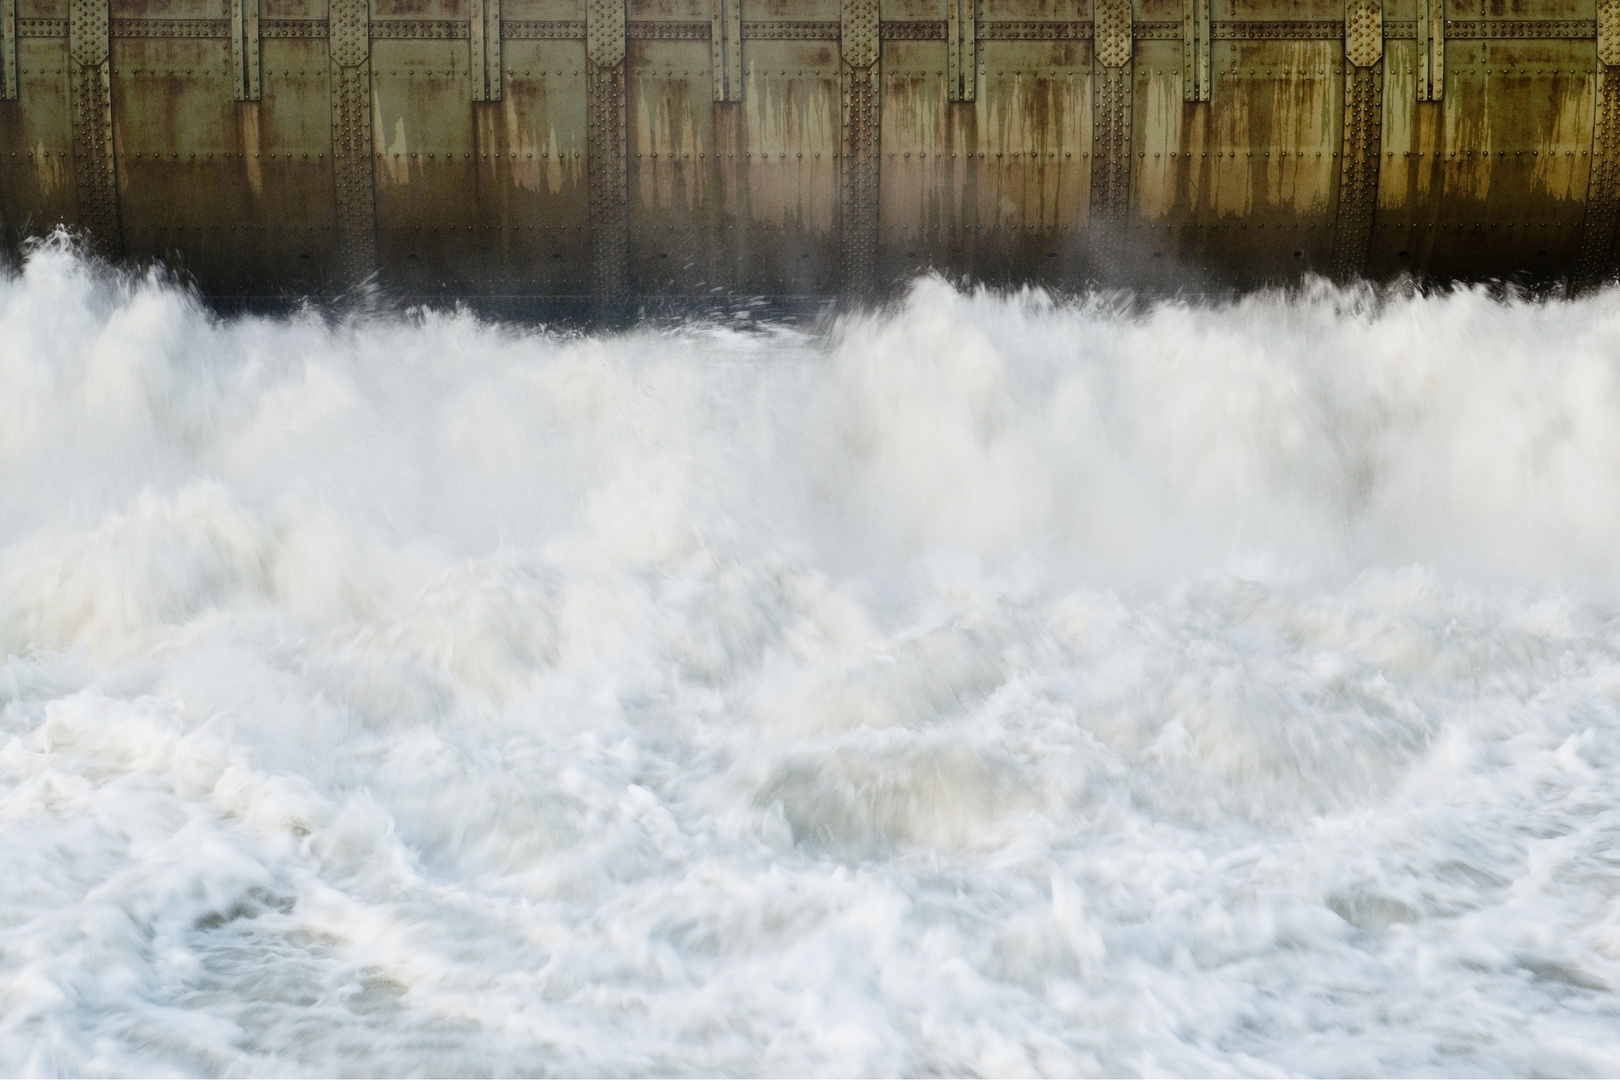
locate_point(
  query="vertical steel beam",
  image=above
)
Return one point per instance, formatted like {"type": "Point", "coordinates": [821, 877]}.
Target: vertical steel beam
{"type": "Point", "coordinates": [245, 49]}
{"type": "Point", "coordinates": [1595, 262]}
{"type": "Point", "coordinates": [353, 174]}
{"type": "Point", "coordinates": [8, 50]}
{"type": "Point", "coordinates": [494, 61]}
{"type": "Point", "coordinates": [1362, 138]}
{"type": "Point", "coordinates": [961, 48]}
{"type": "Point", "coordinates": [250, 34]}
{"type": "Point", "coordinates": [1431, 34]}
{"type": "Point", "coordinates": [478, 63]}
{"type": "Point", "coordinates": [90, 90]}
{"type": "Point", "coordinates": [607, 173]}
{"type": "Point", "coordinates": [484, 34]}
{"type": "Point", "coordinates": [1195, 48]}
{"type": "Point", "coordinates": [858, 176]}
{"type": "Point", "coordinates": [1111, 75]}
{"type": "Point", "coordinates": [725, 49]}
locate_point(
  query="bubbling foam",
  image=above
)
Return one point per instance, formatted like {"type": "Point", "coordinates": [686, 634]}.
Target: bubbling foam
{"type": "Point", "coordinates": [996, 683]}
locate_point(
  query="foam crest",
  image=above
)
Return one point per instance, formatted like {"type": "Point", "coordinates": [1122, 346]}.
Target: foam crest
{"type": "Point", "coordinates": [993, 684]}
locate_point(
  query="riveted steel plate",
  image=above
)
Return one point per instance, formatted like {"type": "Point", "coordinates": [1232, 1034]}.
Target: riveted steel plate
{"type": "Point", "coordinates": [859, 177]}
{"type": "Point", "coordinates": [8, 50]}
{"type": "Point", "coordinates": [90, 90]}
{"type": "Point", "coordinates": [37, 189]}
{"type": "Point", "coordinates": [725, 50]}
{"type": "Point", "coordinates": [1112, 32]}
{"type": "Point", "coordinates": [350, 32]}
{"type": "Point", "coordinates": [1276, 30]}
{"type": "Point", "coordinates": [604, 32]}
{"type": "Point", "coordinates": [858, 32]}
{"type": "Point", "coordinates": [791, 31]}
{"type": "Point", "coordinates": [1195, 48]}
{"type": "Point", "coordinates": [1363, 32]}
{"type": "Point", "coordinates": [1608, 32]}
{"type": "Point", "coordinates": [1359, 165]}
{"type": "Point", "coordinates": [1596, 260]}
{"type": "Point", "coordinates": [1467, 137]}
{"type": "Point", "coordinates": [477, 37]}
{"type": "Point", "coordinates": [1431, 50]}
{"type": "Point", "coordinates": [1111, 117]}
{"type": "Point", "coordinates": [1029, 30]}
{"type": "Point", "coordinates": [354, 181]}
{"type": "Point", "coordinates": [244, 31]}
{"type": "Point", "coordinates": [494, 73]}
{"type": "Point", "coordinates": [530, 211]}
{"type": "Point", "coordinates": [175, 28]}
{"type": "Point", "coordinates": [605, 103]}
{"type": "Point", "coordinates": [1470, 181]}
{"type": "Point", "coordinates": [860, 174]}
{"type": "Point", "coordinates": [1490, 29]}
{"type": "Point", "coordinates": [961, 49]}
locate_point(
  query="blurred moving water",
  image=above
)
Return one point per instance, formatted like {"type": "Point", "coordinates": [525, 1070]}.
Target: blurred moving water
{"type": "Point", "coordinates": [998, 684]}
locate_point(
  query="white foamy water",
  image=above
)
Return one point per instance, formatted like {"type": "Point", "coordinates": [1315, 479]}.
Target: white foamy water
{"type": "Point", "coordinates": [994, 686]}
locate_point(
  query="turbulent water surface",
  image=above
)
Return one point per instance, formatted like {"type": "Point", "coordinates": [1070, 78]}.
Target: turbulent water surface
{"type": "Point", "coordinates": [997, 685]}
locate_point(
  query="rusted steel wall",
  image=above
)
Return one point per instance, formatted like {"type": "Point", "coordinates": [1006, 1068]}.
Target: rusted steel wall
{"type": "Point", "coordinates": [578, 149]}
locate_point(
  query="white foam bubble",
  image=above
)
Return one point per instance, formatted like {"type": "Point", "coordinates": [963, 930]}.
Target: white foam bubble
{"type": "Point", "coordinates": [993, 685]}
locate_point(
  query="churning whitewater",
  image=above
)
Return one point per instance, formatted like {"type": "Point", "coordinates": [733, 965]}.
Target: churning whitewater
{"type": "Point", "coordinates": [999, 684]}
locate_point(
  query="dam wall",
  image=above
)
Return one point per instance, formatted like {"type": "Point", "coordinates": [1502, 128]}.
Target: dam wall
{"type": "Point", "coordinates": [610, 149]}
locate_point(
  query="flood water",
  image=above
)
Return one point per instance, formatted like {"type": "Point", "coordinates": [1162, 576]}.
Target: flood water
{"type": "Point", "coordinates": [998, 684]}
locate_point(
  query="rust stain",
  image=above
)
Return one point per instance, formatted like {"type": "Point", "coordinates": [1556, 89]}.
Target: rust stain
{"type": "Point", "coordinates": [251, 145]}
{"type": "Point", "coordinates": [51, 170]}
{"type": "Point", "coordinates": [747, 194]}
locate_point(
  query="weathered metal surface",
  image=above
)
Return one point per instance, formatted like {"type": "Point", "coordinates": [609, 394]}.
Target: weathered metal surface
{"type": "Point", "coordinates": [578, 148]}
{"type": "Point", "coordinates": [37, 187]}
{"type": "Point", "coordinates": [353, 175]}
{"type": "Point", "coordinates": [1597, 252]}
{"type": "Point", "coordinates": [529, 207]}
{"type": "Point", "coordinates": [484, 34]}
{"type": "Point", "coordinates": [1195, 47]}
{"type": "Point", "coordinates": [1112, 114]}
{"type": "Point", "coordinates": [778, 207]}
{"type": "Point", "coordinates": [725, 49]}
{"type": "Point", "coordinates": [246, 75]}
{"type": "Point", "coordinates": [1431, 49]}
{"type": "Point", "coordinates": [8, 50]}
{"type": "Point", "coordinates": [1248, 180]}
{"type": "Point", "coordinates": [1363, 132]}
{"type": "Point", "coordinates": [494, 78]}
{"type": "Point", "coordinates": [862, 113]}
{"type": "Point", "coordinates": [1111, 32]}
{"type": "Point", "coordinates": [961, 49]}
{"type": "Point", "coordinates": [1596, 258]}
{"type": "Point", "coordinates": [1493, 177]}
{"type": "Point", "coordinates": [90, 90]}
{"type": "Point", "coordinates": [1364, 32]}
{"type": "Point", "coordinates": [606, 165]}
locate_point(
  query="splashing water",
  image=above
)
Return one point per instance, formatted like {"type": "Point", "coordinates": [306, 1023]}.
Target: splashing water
{"type": "Point", "coordinates": [996, 685]}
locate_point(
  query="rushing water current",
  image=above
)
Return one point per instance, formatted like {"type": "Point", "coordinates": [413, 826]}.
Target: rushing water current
{"type": "Point", "coordinates": [994, 685]}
